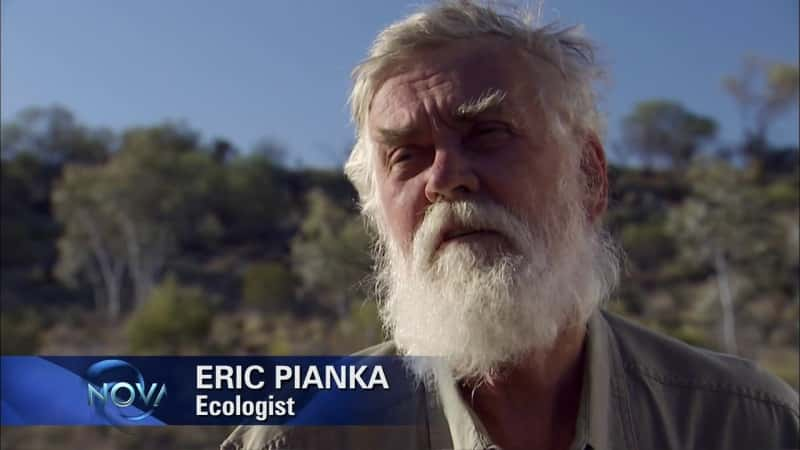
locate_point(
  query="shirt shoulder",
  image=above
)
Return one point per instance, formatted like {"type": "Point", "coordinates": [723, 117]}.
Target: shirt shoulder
{"type": "Point", "coordinates": [679, 390]}
{"type": "Point", "coordinates": [669, 361]}
{"type": "Point", "coordinates": [268, 437]}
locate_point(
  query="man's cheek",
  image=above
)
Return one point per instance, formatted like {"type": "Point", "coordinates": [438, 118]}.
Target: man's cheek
{"type": "Point", "coordinates": [393, 227]}
{"type": "Point", "coordinates": [405, 214]}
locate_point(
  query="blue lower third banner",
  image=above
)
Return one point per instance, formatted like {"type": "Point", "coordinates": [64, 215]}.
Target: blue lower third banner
{"type": "Point", "coordinates": [137, 391]}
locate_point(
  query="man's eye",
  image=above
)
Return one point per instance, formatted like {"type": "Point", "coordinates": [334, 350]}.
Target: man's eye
{"type": "Point", "coordinates": [488, 135]}
{"type": "Point", "coordinates": [407, 161]}
{"type": "Point", "coordinates": [400, 155]}
{"type": "Point", "coordinates": [491, 129]}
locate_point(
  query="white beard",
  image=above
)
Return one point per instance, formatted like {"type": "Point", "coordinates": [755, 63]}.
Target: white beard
{"type": "Point", "coordinates": [483, 305]}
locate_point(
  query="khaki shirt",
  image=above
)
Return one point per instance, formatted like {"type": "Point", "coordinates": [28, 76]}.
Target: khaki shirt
{"type": "Point", "coordinates": [641, 390]}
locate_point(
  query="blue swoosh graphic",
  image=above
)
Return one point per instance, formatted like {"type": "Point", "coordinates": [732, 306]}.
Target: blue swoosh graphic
{"type": "Point", "coordinates": [35, 391]}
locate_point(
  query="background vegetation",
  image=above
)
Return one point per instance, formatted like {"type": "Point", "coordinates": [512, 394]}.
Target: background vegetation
{"type": "Point", "coordinates": [155, 241]}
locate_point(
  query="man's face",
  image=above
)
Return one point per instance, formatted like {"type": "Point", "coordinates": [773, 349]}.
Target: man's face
{"type": "Point", "coordinates": [437, 141]}
{"type": "Point", "coordinates": [481, 212]}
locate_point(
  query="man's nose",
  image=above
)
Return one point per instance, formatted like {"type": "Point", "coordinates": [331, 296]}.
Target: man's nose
{"type": "Point", "coordinates": [451, 176]}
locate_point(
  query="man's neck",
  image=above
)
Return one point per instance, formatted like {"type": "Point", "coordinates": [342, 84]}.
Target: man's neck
{"type": "Point", "coordinates": [534, 404]}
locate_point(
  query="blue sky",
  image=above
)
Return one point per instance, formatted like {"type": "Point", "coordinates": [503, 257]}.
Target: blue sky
{"type": "Point", "coordinates": [251, 69]}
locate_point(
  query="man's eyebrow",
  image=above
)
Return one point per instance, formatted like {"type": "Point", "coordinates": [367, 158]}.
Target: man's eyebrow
{"type": "Point", "coordinates": [490, 100]}
{"type": "Point", "coordinates": [395, 136]}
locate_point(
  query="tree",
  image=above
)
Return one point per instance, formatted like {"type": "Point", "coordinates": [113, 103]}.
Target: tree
{"type": "Point", "coordinates": [89, 246]}
{"type": "Point", "coordinates": [270, 150]}
{"type": "Point", "coordinates": [130, 211]}
{"type": "Point", "coordinates": [330, 253]}
{"type": "Point", "coordinates": [158, 183]}
{"type": "Point", "coordinates": [254, 202]}
{"type": "Point", "coordinates": [28, 232]}
{"type": "Point", "coordinates": [222, 151]}
{"type": "Point", "coordinates": [662, 131]}
{"type": "Point", "coordinates": [726, 225]}
{"type": "Point", "coordinates": [764, 91]}
{"type": "Point", "coordinates": [35, 145]}
{"type": "Point", "coordinates": [55, 137]}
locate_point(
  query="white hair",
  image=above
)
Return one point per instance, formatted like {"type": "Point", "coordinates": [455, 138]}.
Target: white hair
{"type": "Point", "coordinates": [571, 107]}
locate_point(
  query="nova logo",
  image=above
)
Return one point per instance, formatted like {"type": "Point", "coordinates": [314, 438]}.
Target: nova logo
{"type": "Point", "coordinates": [115, 382]}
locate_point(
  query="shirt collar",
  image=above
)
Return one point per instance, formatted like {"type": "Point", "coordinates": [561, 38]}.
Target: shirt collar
{"type": "Point", "coordinates": [592, 429]}
{"type": "Point", "coordinates": [597, 382]}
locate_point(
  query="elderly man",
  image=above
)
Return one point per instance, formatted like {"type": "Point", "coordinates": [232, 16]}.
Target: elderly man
{"type": "Point", "coordinates": [479, 163]}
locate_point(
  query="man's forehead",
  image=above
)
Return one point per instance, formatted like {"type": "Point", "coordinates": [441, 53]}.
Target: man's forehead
{"type": "Point", "coordinates": [452, 94]}
{"type": "Point", "coordinates": [454, 75]}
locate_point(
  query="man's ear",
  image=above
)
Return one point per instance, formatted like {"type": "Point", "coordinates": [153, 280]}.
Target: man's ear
{"type": "Point", "coordinates": [593, 166]}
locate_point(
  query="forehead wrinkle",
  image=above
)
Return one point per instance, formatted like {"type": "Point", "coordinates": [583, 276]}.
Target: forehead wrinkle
{"type": "Point", "coordinates": [396, 121]}
{"type": "Point", "coordinates": [411, 116]}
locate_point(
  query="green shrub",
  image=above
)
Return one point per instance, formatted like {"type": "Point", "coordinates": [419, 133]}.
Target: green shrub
{"type": "Point", "coordinates": [20, 332]}
{"type": "Point", "coordinates": [268, 286]}
{"type": "Point", "coordinates": [174, 319]}
{"type": "Point", "coordinates": [782, 194]}
{"type": "Point", "coordinates": [648, 245]}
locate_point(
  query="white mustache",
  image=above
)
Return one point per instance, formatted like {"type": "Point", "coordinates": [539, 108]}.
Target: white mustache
{"type": "Point", "coordinates": [442, 218]}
